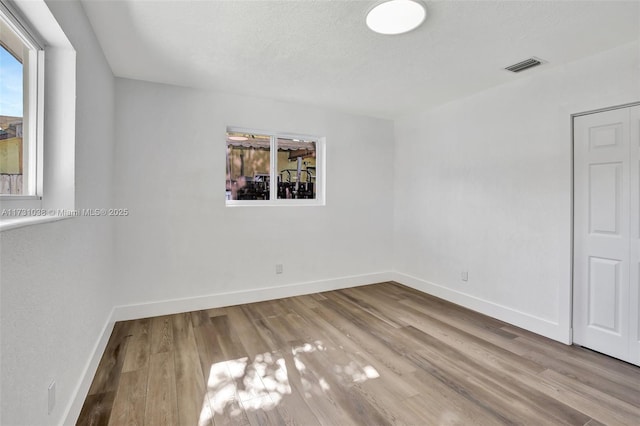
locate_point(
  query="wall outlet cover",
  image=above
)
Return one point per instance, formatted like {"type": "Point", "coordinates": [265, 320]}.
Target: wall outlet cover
{"type": "Point", "coordinates": [51, 390]}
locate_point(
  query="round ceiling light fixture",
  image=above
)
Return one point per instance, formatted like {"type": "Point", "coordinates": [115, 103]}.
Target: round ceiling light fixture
{"type": "Point", "coordinates": [393, 17]}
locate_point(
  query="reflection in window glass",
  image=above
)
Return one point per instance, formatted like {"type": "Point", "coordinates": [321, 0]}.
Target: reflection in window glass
{"type": "Point", "coordinates": [296, 169]}
{"type": "Point", "coordinates": [248, 166]}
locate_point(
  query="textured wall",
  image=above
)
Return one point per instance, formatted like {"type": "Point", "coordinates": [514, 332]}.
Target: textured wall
{"type": "Point", "coordinates": [484, 184]}
{"type": "Point", "coordinates": [181, 241]}
{"type": "Point", "coordinates": [56, 287]}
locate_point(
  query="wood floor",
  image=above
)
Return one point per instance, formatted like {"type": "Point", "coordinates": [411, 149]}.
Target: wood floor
{"type": "Point", "coordinates": [373, 355]}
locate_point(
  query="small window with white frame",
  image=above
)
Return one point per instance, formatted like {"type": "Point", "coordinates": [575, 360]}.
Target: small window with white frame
{"type": "Point", "coordinates": [267, 168]}
{"type": "Point", "coordinates": [21, 106]}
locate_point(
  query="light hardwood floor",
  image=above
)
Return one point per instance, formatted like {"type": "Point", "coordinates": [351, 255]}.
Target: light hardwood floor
{"type": "Point", "coordinates": [373, 355]}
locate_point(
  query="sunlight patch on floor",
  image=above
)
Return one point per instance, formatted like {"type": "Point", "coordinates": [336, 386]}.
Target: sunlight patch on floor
{"type": "Point", "coordinates": [262, 383]}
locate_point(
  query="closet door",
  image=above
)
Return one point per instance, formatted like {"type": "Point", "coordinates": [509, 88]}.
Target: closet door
{"type": "Point", "coordinates": [634, 255]}
{"type": "Point", "coordinates": [604, 175]}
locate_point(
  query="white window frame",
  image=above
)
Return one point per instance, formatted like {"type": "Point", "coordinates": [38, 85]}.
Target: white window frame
{"type": "Point", "coordinates": [53, 177]}
{"type": "Point", "coordinates": [33, 111]}
{"type": "Point", "coordinates": [273, 170]}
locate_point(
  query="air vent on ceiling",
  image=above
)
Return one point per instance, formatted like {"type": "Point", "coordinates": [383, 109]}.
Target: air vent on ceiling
{"type": "Point", "coordinates": [524, 65]}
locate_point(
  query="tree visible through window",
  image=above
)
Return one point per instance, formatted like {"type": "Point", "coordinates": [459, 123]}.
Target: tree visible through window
{"type": "Point", "coordinates": [248, 167]}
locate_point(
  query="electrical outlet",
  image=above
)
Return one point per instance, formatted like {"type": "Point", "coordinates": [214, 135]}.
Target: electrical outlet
{"type": "Point", "coordinates": [279, 268]}
{"type": "Point", "coordinates": [464, 275]}
{"type": "Point", "coordinates": [51, 390]}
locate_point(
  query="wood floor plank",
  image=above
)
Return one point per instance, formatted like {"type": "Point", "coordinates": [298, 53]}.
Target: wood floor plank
{"type": "Point", "coordinates": [387, 403]}
{"type": "Point", "coordinates": [161, 406]}
{"type": "Point", "coordinates": [375, 327]}
{"type": "Point", "coordinates": [498, 402]}
{"type": "Point", "coordinates": [215, 312]}
{"type": "Point", "coordinates": [365, 360]}
{"type": "Point", "coordinates": [161, 339]}
{"type": "Point", "coordinates": [490, 330]}
{"type": "Point", "coordinates": [138, 348]}
{"type": "Point", "coordinates": [285, 395]}
{"type": "Point", "coordinates": [498, 356]}
{"type": "Point", "coordinates": [594, 422]}
{"type": "Point", "coordinates": [592, 377]}
{"type": "Point", "coordinates": [209, 349]}
{"type": "Point", "coordinates": [96, 410]}
{"type": "Point", "coordinates": [260, 411]}
{"type": "Point", "coordinates": [222, 395]}
{"type": "Point", "coordinates": [261, 327]}
{"type": "Point", "coordinates": [192, 402]}
{"type": "Point", "coordinates": [311, 389]}
{"type": "Point", "coordinates": [454, 411]}
{"type": "Point", "coordinates": [335, 377]}
{"type": "Point", "coordinates": [228, 339]}
{"type": "Point", "coordinates": [441, 403]}
{"type": "Point", "coordinates": [307, 391]}
{"type": "Point", "coordinates": [233, 415]}
{"type": "Point", "coordinates": [410, 310]}
{"type": "Point", "coordinates": [283, 329]}
{"type": "Point", "coordinates": [376, 348]}
{"type": "Point", "coordinates": [294, 410]}
{"type": "Point", "coordinates": [249, 337]}
{"type": "Point", "coordinates": [524, 402]}
{"type": "Point", "coordinates": [592, 402]}
{"type": "Point", "coordinates": [108, 374]}
{"type": "Point", "coordinates": [366, 302]}
{"type": "Point", "coordinates": [618, 379]}
{"type": "Point", "coordinates": [376, 355]}
{"type": "Point", "coordinates": [130, 400]}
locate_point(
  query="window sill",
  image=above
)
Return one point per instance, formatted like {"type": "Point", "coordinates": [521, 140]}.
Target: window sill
{"type": "Point", "coordinates": [20, 222]}
{"type": "Point", "coordinates": [271, 203]}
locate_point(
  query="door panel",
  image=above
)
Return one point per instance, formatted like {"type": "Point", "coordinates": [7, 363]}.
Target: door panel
{"type": "Point", "coordinates": [604, 294]}
{"type": "Point", "coordinates": [606, 136]}
{"type": "Point", "coordinates": [605, 190]}
{"type": "Point", "coordinates": [602, 232]}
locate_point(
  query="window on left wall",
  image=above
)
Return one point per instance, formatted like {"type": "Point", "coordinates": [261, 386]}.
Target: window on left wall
{"type": "Point", "coordinates": [21, 106]}
{"type": "Point", "coordinates": [37, 160]}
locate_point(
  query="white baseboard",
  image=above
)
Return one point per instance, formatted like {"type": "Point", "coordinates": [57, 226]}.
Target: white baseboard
{"type": "Point", "coordinates": [75, 405]}
{"type": "Point", "coordinates": [168, 307]}
{"type": "Point", "coordinates": [524, 320]}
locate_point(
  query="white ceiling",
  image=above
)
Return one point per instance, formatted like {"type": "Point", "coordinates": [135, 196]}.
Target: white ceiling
{"type": "Point", "coordinates": [321, 53]}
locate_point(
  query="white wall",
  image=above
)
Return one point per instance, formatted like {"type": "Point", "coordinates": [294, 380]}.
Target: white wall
{"type": "Point", "coordinates": [180, 241]}
{"type": "Point", "coordinates": [56, 287]}
{"type": "Point", "coordinates": [484, 184]}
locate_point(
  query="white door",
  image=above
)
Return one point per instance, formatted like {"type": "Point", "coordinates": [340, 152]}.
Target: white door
{"type": "Point", "coordinates": [606, 232]}
{"type": "Point", "coordinates": [634, 253]}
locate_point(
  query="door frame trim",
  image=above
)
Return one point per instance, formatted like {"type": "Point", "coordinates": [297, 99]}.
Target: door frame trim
{"type": "Point", "coordinates": [596, 111]}
{"type": "Point", "coordinates": [573, 116]}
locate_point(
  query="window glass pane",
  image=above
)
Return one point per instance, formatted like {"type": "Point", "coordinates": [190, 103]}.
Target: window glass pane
{"type": "Point", "coordinates": [296, 169]}
{"type": "Point", "coordinates": [12, 154]}
{"type": "Point", "coordinates": [248, 166]}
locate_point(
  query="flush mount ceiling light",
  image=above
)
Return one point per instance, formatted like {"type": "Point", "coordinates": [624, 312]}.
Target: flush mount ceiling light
{"type": "Point", "coordinates": [396, 16]}
{"type": "Point", "coordinates": [238, 138]}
